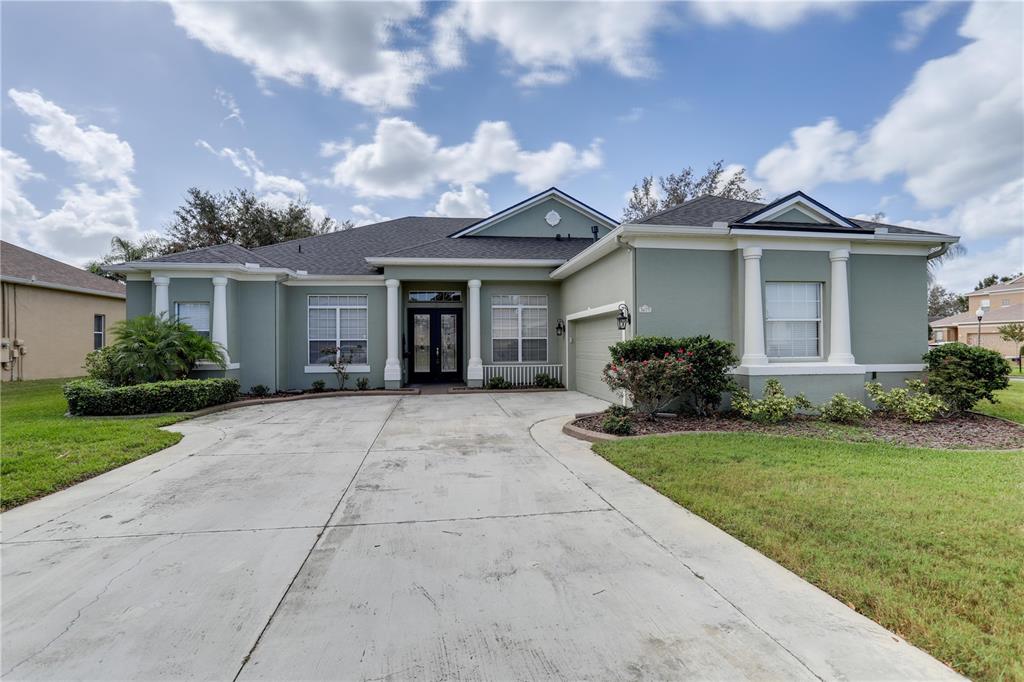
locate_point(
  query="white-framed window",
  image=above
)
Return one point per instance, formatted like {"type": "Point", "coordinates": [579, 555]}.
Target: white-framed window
{"type": "Point", "coordinates": [940, 335]}
{"type": "Point", "coordinates": [793, 319]}
{"type": "Point", "coordinates": [99, 331]}
{"type": "Point", "coordinates": [519, 328]}
{"type": "Point", "coordinates": [195, 314]}
{"type": "Point", "coordinates": [1006, 302]}
{"type": "Point", "coordinates": [336, 321]}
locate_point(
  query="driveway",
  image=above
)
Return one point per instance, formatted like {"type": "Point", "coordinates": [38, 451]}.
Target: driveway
{"type": "Point", "coordinates": [421, 537]}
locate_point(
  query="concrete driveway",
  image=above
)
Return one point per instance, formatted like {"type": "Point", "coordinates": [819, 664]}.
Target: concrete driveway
{"type": "Point", "coordinates": [423, 537]}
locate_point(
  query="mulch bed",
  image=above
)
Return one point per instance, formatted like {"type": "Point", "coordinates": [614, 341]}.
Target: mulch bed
{"type": "Point", "coordinates": [970, 431]}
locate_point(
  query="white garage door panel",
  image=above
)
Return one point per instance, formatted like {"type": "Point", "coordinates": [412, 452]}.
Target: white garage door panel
{"type": "Point", "coordinates": [591, 338]}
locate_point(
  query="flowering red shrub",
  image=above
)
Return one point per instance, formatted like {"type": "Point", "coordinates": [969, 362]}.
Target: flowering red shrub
{"type": "Point", "coordinates": [650, 384]}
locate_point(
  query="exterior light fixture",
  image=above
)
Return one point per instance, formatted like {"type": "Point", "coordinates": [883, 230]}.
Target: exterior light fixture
{"type": "Point", "coordinates": [624, 319]}
{"type": "Point", "coordinates": [559, 327]}
{"type": "Point", "coordinates": [980, 312]}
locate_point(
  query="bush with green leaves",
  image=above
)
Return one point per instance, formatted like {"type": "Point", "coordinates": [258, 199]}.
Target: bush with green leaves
{"type": "Point", "coordinates": [618, 425]}
{"type": "Point", "coordinates": [497, 383]}
{"type": "Point", "coordinates": [774, 407]}
{"type": "Point", "coordinates": [545, 380]}
{"type": "Point", "coordinates": [150, 348]}
{"type": "Point", "coordinates": [649, 384]}
{"type": "Point", "coordinates": [95, 398]}
{"type": "Point", "coordinates": [362, 383]}
{"type": "Point", "coordinates": [99, 365]}
{"type": "Point", "coordinates": [618, 410]}
{"type": "Point", "coordinates": [912, 402]}
{"type": "Point", "coordinates": [711, 361]}
{"type": "Point", "coordinates": [259, 390]}
{"type": "Point", "coordinates": [844, 410]}
{"type": "Point", "coordinates": [963, 375]}
{"type": "Point", "coordinates": [318, 386]}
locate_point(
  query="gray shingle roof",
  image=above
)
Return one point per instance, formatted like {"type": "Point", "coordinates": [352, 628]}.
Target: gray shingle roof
{"type": "Point", "coordinates": [222, 253]}
{"type": "Point", "coordinates": [495, 247]}
{"type": "Point", "coordinates": [706, 210]}
{"type": "Point", "coordinates": [28, 265]}
{"type": "Point", "coordinates": [1006, 313]}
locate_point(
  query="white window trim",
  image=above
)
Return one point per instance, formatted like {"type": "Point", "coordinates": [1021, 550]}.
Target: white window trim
{"type": "Point", "coordinates": [209, 315]}
{"type": "Point", "coordinates": [102, 333]}
{"type": "Point", "coordinates": [819, 321]}
{"type": "Point", "coordinates": [519, 331]}
{"type": "Point", "coordinates": [337, 330]}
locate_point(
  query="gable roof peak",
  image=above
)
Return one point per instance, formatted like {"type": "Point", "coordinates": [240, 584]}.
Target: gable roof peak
{"type": "Point", "coordinates": [801, 201]}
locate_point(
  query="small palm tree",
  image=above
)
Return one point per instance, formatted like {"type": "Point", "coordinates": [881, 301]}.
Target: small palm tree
{"type": "Point", "coordinates": [954, 251]}
{"type": "Point", "coordinates": [150, 348]}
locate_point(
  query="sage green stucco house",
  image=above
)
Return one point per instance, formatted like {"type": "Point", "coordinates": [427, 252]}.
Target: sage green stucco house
{"type": "Point", "coordinates": [819, 300]}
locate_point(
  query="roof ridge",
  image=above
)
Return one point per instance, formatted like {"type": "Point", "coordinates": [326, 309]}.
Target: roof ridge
{"type": "Point", "coordinates": [693, 200]}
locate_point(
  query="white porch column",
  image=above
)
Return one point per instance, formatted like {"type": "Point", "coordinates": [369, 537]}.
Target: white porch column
{"type": "Point", "coordinates": [219, 329]}
{"type": "Point", "coordinates": [393, 365]}
{"type": "Point", "coordinates": [162, 304]}
{"type": "Point", "coordinates": [753, 309]}
{"type": "Point", "coordinates": [475, 370]}
{"type": "Point", "coordinates": [840, 348]}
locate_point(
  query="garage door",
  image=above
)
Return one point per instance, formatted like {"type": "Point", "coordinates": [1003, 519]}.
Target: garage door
{"type": "Point", "coordinates": [591, 338]}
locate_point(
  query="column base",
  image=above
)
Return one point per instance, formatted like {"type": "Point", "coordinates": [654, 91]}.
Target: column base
{"type": "Point", "coordinates": [393, 372]}
{"type": "Point", "coordinates": [475, 383]}
{"type": "Point", "coordinates": [475, 370]}
{"type": "Point", "coordinates": [392, 384]}
{"type": "Point", "coordinates": [842, 360]}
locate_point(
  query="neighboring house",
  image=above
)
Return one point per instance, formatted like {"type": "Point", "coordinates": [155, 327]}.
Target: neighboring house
{"type": "Point", "coordinates": [53, 315]}
{"type": "Point", "coordinates": [1001, 304]}
{"type": "Point", "coordinates": [818, 299]}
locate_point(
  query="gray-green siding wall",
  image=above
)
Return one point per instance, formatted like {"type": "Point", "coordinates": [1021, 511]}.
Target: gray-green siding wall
{"type": "Point", "coordinates": [688, 292]}
{"type": "Point", "coordinates": [531, 223]}
{"type": "Point", "coordinates": [888, 308]}
{"type": "Point", "coordinates": [140, 299]}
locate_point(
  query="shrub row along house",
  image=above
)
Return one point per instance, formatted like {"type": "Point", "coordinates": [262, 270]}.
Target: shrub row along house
{"type": "Point", "coordinates": [547, 285]}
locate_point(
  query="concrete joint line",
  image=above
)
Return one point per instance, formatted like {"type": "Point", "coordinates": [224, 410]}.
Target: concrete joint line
{"type": "Point", "coordinates": [665, 549]}
{"type": "Point", "coordinates": [316, 541]}
{"type": "Point", "coordinates": [182, 533]}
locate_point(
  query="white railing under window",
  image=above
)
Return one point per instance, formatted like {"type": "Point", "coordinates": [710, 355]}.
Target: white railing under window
{"type": "Point", "coordinates": [521, 375]}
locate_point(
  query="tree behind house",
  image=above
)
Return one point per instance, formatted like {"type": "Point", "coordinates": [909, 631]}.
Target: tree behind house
{"type": "Point", "coordinates": [676, 188]}
{"type": "Point", "coordinates": [943, 303]}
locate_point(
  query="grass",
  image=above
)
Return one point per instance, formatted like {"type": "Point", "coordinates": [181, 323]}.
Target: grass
{"type": "Point", "coordinates": [1010, 405]}
{"type": "Point", "coordinates": [42, 451]}
{"type": "Point", "coordinates": [929, 543]}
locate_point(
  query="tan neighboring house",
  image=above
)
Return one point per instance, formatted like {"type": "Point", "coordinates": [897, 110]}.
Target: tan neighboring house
{"type": "Point", "coordinates": [1001, 304]}
{"type": "Point", "coordinates": [53, 315]}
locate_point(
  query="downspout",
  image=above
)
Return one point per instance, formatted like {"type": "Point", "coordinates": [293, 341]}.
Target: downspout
{"type": "Point", "coordinates": [939, 251]}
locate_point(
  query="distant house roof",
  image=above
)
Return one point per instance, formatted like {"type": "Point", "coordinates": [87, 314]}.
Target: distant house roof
{"type": "Point", "coordinates": [706, 210]}
{"type": "Point", "coordinates": [1001, 314]}
{"type": "Point", "coordinates": [22, 266]}
{"type": "Point", "coordinates": [1017, 283]}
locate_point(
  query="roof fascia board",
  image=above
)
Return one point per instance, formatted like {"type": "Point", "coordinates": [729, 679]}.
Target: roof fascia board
{"type": "Point", "coordinates": [794, 199]}
{"type": "Point", "coordinates": [471, 262]}
{"type": "Point", "coordinates": [59, 287]}
{"type": "Point", "coordinates": [155, 266]}
{"type": "Point", "coordinates": [516, 209]}
{"type": "Point", "coordinates": [596, 251]}
{"type": "Point", "coordinates": [335, 281]}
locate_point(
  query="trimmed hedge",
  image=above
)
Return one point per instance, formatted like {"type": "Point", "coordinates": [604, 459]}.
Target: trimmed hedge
{"type": "Point", "coordinates": [95, 398]}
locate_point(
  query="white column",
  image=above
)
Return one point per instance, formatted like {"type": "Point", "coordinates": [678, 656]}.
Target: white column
{"type": "Point", "coordinates": [475, 371]}
{"type": "Point", "coordinates": [753, 309]}
{"type": "Point", "coordinates": [219, 330]}
{"type": "Point", "coordinates": [162, 304]}
{"type": "Point", "coordinates": [840, 349]}
{"type": "Point", "coordinates": [393, 365]}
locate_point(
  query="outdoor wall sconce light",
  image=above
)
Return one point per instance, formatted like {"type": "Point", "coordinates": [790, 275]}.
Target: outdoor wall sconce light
{"type": "Point", "coordinates": [624, 317]}
{"type": "Point", "coordinates": [559, 327]}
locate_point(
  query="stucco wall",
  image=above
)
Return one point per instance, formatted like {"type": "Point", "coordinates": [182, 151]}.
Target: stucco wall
{"type": "Point", "coordinates": [607, 280]}
{"type": "Point", "coordinates": [57, 328]}
{"type": "Point", "coordinates": [531, 223]}
{"type": "Point", "coordinates": [252, 310]}
{"type": "Point", "coordinates": [888, 308]}
{"type": "Point", "coordinates": [140, 299]}
{"type": "Point", "coordinates": [689, 292]}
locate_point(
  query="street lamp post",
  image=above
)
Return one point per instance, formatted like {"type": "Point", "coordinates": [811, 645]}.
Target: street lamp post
{"type": "Point", "coordinates": [980, 312]}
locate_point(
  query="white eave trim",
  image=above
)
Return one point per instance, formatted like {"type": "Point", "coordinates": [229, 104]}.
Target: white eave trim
{"type": "Point", "coordinates": [61, 287]}
{"type": "Point", "coordinates": [471, 262]}
{"type": "Point", "coordinates": [800, 203]}
{"type": "Point", "coordinates": [544, 196]}
{"type": "Point", "coordinates": [596, 251]}
{"type": "Point", "coordinates": [248, 268]}
{"type": "Point", "coordinates": [633, 231]}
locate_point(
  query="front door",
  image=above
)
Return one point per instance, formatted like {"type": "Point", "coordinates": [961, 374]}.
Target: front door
{"type": "Point", "coordinates": [435, 345]}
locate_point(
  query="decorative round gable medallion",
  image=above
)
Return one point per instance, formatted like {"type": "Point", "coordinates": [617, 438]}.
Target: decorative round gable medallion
{"type": "Point", "coordinates": [552, 218]}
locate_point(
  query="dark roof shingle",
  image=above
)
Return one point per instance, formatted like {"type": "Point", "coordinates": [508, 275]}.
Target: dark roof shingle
{"type": "Point", "coordinates": [28, 265]}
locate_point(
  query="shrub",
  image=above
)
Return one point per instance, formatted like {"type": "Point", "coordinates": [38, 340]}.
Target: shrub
{"type": "Point", "coordinates": [963, 375]}
{"type": "Point", "coordinates": [91, 397]}
{"type": "Point", "coordinates": [339, 363]}
{"type": "Point", "coordinates": [319, 385]}
{"type": "Point", "coordinates": [773, 408]}
{"type": "Point", "coordinates": [150, 348]}
{"type": "Point", "coordinates": [619, 411]}
{"type": "Point", "coordinates": [650, 384]}
{"type": "Point", "coordinates": [843, 409]}
{"type": "Point", "coordinates": [544, 380]}
{"type": "Point", "coordinates": [362, 383]}
{"type": "Point", "coordinates": [912, 403]}
{"type": "Point", "coordinates": [710, 361]}
{"type": "Point", "coordinates": [618, 425]}
{"type": "Point", "coordinates": [99, 365]}
{"type": "Point", "coordinates": [259, 390]}
{"type": "Point", "coordinates": [497, 383]}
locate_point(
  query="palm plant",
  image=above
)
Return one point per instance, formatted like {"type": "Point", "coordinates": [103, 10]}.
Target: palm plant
{"type": "Point", "coordinates": [150, 348]}
{"type": "Point", "coordinates": [954, 250]}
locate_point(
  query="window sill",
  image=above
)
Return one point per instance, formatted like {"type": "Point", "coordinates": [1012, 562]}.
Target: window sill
{"type": "Point", "coordinates": [797, 369]}
{"type": "Point", "coordinates": [327, 369]}
{"type": "Point", "coordinates": [212, 367]}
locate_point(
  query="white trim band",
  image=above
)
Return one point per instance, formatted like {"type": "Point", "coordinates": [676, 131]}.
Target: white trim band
{"type": "Point", "coordinates": [594, 312]}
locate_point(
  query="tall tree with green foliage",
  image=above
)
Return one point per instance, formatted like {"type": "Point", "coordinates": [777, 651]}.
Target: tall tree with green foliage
{"type": "Point", "coordinates": [1014, 332]}
{"type": "Point", "coordinates": [943, 303]}
{"type": "Point", "coordinates": [676, 188]}
{"type": "Point", "coordinates": [124, 250]}
{"type": "Point", "coordinates": [994, 279]}
{"type": "Point", "coordinates": [239, 217]}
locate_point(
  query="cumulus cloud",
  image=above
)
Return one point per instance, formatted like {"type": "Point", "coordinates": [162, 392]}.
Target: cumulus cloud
{"type": "Point", "coordinates": [548, 40]}
{"type": "Point", "coordinates": [916, 22]}
{"type": "Point", "coordinates": [98, 206]}
{"type": "Point", "coordinates": [961, 274]}
{"type": "Point", "coordinates": [464, 201]}
{"type": "Point", "coordinates": [815, 154]}
{"type": "Point", "coordinates": [344, 47]}
{"type": "Point", "coordinates": [770, 15]}
{"type": "Point", "coordinates": [366, 215]}
{"type": "Point", "coordinates": [404, 161]}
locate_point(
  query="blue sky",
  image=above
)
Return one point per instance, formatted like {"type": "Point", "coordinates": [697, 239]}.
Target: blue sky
{"type": "Point", "coordinates": [111, 110]}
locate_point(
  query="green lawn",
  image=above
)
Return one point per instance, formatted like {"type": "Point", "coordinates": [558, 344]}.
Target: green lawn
{"type": "Point", "coordinates": [42, 451]}
{"type": "Point", "coordinates": [929, 543]}
{"type": "Point", "coordinates": [1010, 405]}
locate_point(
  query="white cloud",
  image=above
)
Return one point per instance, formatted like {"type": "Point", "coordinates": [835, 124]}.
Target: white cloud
{"type": "Point", "coordinates": [548, 40]}
{"type": "Point", "coordinates": [345, 47]}
{"type": "Point", "coordinates": [770, 15]}
{"type": "Point", "coordinates": [1004, 257]}
{"type": "Point", "coordinates": [332, 148]}
{"type": "Point", "coordinates": [227, 100]}
{"type": "Point", "coordinates": [364, 215]}
{"type": "Point", "coordinates": [404, 161]}
{"type": "Point", "coordinates": [94, 209]}
{"type": "Point", "coordinates": [814, 155]}
{"type": "Point", "coordinates": [916, 22]}
{"type": "Point", "coordinates": [466, 201]}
